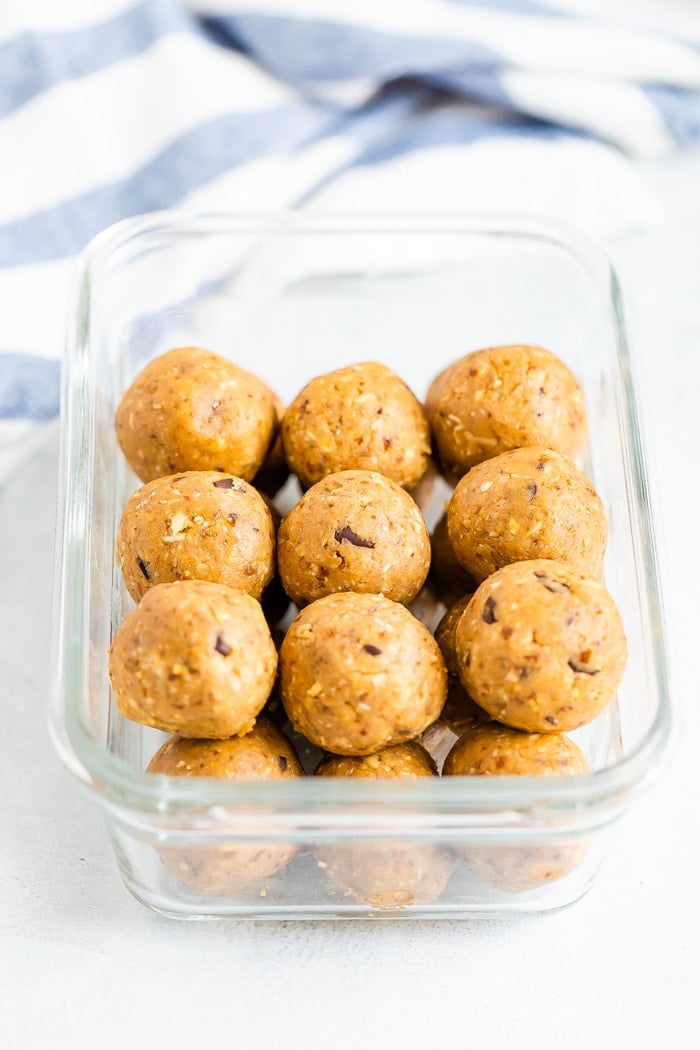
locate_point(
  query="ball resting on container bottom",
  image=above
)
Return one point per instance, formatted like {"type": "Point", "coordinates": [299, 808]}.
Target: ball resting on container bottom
{"type": "Point", "coordinates": [228, 868]}
{"type": "Point", "coordinates": [387, 876]}
{"type": "Point", "coordinates": [392, 874]}
{"type": "Point", "coordinates": [518, 869]}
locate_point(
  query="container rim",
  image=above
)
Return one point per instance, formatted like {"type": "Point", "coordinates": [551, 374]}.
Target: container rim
{"type": "Point", "coordinates": [583, 798]}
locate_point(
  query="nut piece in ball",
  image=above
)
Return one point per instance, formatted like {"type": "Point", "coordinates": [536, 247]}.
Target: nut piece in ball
{"type": "Point", "coordinates": [358, 418]}
{"type": "Point", "coordinates": [525, 504]}
{"type": "Point", "coordinates": [190, 409]}
{"type": "Point", "coordinates": [200, 525]}
{"type": "Point", "coordinates": [505, 397]}
{"type": "Point", "coordinates": [226, 870]}
{"type": "Point", "coordinates": [354, 531]}
{"type": "Point", "coordinates": [358, 672]}
{"type": "Point", "coordinates": [541, 646]}
{"type": "Point", "coordinates": [194, 658]}
{"type": "Point", "coordinates": [393, 874]}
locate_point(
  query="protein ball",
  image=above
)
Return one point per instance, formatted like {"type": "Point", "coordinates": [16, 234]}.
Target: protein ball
{"type": "Point", "coordinates": [505, 397]}
{"type": "Point", "coordinates": [358, 418]}
{"type": "Point", "coordinates": [450, 579]}
{"type": "Point", "coordinates": [525, 504]}
{"type": "Point", "coordinates": [494, 750]}
{"type": "Point", "coordinates": [358, 672]}
{"type": "Point", "coordinates": [201, 525]}
{"type": "Point", "coordinates": [354, 531]}
{"type": "Point", "coordinates": [541, 646]}
{"type": "Point", "coordinates": [393, 874]}
{"type": "Point", "coordinates": [401, 760]}
{"type": "Point", "coordinates": [460, 711]}
{"type": "Point", "coordinates": [194, 658]}
{"type": "Point", "coordinates": [190, 409]}
{"type": "Point", "coordinates": [226, 870]}
{"type": "Point", "coordinates": [274, 471]}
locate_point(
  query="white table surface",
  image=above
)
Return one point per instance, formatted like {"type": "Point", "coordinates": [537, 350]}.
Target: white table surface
{"type": "Point", "coordinates": [83, 965]}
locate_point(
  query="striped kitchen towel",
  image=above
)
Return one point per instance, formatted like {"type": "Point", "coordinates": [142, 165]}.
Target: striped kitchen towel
{"type": "Point", "coordinates": [110, 108]}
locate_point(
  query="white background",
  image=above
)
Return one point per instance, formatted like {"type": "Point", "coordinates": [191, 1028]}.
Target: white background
{"type": "Point", "coordinates": [83, 965]}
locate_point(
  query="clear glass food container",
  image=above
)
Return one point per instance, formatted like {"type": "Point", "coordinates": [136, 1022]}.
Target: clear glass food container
{"type": "Point", "coordinates": [289, 297]}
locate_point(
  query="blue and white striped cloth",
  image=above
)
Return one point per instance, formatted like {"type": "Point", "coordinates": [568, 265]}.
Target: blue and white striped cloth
{"type": "Point", "coordinates": [109, 108]}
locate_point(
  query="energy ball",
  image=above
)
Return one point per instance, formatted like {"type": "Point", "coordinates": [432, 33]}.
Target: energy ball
{"type": "Point", "coordinates": [541, 647]}
{"type": "Point", "coordinates": [525, 504]}
{"type": "Point", "coordinates": [401, 760]}
{"type": "Point", "coordinates": [354, 531]}
{"type": "Point", "coordinates": [274, 471]}
{"type": "Point", "coordinates": [446, 634]}
{"type": "Point", "coordinates": [386, 875]}
{"type": "Point", "coordinates": [358, 418]}
{"type": "Point", "coordinates": [495, 750]}
{"type": "Point", "coordinates": [459, 711]}
{"type": "Point", "coordinates": [518, 869]}
{"type": "Point", "coordinates": [190, 409]}
{"type": "Point", "coordinates": [450, 579]}
{"type": "Point", "coordinates": [358, 672]}
{"type": "Point", "coordinates": [505, 397]}
{"type": "Point", "coordinates": [201, 525]}
{"type": "Point", "coordinates": [194, 658]}
{"type": "Point", "coordinates": [226, 870]}
{"type": "Point", "coordinates": [435, 391]}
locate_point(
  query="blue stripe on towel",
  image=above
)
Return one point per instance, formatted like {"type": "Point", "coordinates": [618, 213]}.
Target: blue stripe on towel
{"type": "Point", "coordinates": [680, 110]}
{"type": "Point", "coordinates": [33, 62]}
{"type": "Point", "coordinates": [301, 50]}
{"type": "Point", "coordinates": [28, 387]}
{"type": "Point", "coordinates": [517, 7]}
{"type": "Point", "coordinates": [191, 161]}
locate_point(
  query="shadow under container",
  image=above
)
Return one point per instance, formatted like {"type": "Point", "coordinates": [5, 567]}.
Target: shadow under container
{"type": "Point", "coordinates": [289, 297]}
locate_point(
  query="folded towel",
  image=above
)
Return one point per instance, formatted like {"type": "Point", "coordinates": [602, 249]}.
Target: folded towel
{"type": "Point", "coordinates": [110, 108]}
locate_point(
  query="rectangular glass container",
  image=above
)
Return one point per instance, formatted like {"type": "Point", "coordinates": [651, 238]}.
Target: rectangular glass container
{"type": "Point", "coordinates": [289, 297]}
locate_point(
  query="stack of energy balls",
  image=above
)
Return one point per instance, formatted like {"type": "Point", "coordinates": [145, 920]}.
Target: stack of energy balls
{"type": "Point", "coordinates": [531, 646]}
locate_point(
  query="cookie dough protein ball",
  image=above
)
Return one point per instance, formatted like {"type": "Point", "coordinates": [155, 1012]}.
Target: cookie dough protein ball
{"type": "Point", "coordinates": [225, 870]}
{"type": "Point", "coordinates": [401, 760]}
{"type": "Point", "coordinates": [460, 711]}
{"type": "Point", "coordinates": [392, 874]}
{"type": "Point", "coordinates": [201, 525]}
{"type": "Point", "coordinates": [450, 579]}
{"type": "Point", "coordinates": [495, 750]}
{"type": "Point", "coordinates": [274, 471]}
{"type": "Point", "coordinates": [541, 646]}
{"type": "Point", "coordinates": [528, 503]}
{"type": "Point", "coordinates": [358, 672]}
{"type": "Point", "coordinates": [505, 397]}
{"type": "Point", "coordinates": [362, 417]}
{"type": "Point", "coordinates": [190, 409]}
{"type": "Point", "coordinates": [354, 531]}
{"type": "Point", "coordinates": [194, 658]}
